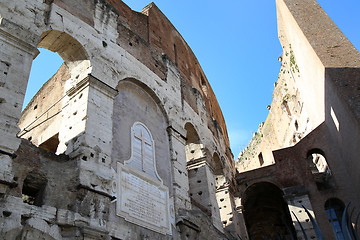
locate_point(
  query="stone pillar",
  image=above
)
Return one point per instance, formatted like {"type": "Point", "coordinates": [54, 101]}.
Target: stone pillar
{"type": "Point", "coordinates": [86, 132]}
{"type": "Point", "coordinates": [18, 48]}
{"type": "Point", "coordinates": [296, 197]}
{"type": "Point", "coordinates": [203, 189]}
{"type": "Point", "coordinates": [240, 219]}
{"type": "Point", "coordinates": [227, 206]}
{"type": "Point", "coordinates": [179, 172]}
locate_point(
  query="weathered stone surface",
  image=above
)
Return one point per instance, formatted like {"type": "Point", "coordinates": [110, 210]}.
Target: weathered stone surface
{"type": "Point", "coordinates": [314, 112]}
{"type": "Point", "coordinates": [121, 67]}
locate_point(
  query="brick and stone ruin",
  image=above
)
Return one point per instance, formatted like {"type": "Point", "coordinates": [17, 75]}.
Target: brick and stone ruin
{"type": "Point", "coordinates": [127, 140]}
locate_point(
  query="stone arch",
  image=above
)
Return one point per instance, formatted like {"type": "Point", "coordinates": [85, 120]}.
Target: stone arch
{"type": "Point", "coordinates": [151, 93]}
{"type": "Point", "coordinates": [67, 46]}
{"type": "Point", "coordinates": [266, 213]}
{"type": "Point", "coordinates": [137, 103]}
{"type": "Point", "coordinates": [320, 169]}
{"type": "Point", "coordinates": [44, 108]}
{"type": "Point", "coordinates": [191, 134]}
{"type": "Point", "coordinates": [194, 149]}
{"type": "Point", "coordinates": [70, 50]}
{"type": "Point", "coordinates": [217, 164]}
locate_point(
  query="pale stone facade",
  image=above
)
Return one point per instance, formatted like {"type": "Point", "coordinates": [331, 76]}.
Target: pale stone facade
{"type": "Point", "coordinates": [127, 140]}
{"type": "Point", "coordinates": [101, 151]}
{"type": "Point", "coordinates": [308, 146]}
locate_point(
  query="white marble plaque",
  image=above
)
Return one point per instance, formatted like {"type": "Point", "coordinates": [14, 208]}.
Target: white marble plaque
{"type": "Point", "coordinates": [143, 200]}
{"type": "Point", "coordinates": [142, 151]}
{"type": "Point", "coordinates": [141, 196]}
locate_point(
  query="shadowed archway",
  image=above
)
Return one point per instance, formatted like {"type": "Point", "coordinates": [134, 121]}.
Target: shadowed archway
{"type": "Point", "coordinates": [266, 213]}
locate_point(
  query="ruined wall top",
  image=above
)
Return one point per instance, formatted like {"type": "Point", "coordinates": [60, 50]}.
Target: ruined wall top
{"type": "Point", "coordinates": [149, 36]}
{"type": "Point", "coordinates": [329, 43]}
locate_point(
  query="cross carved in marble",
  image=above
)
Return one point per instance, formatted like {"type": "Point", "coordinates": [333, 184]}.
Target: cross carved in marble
{"type": "Point", "coordinates": [143, 141]}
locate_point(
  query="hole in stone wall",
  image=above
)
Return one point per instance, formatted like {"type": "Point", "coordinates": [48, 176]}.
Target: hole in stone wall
{"type": "Point", "coordinates": [200, 193]}
{"type": "Point", "coordinates": [24, 218]}
{"type": "Point", "coordinates": [6, 213]}
{"type": "Point", "coordinates": [33, 188]}
{"type": "Point", "coordinates": [51, 144]}
{"type": "Point", "coordinates": [296, 125]}
{"type": "Point", "coordinates": [286, 107]}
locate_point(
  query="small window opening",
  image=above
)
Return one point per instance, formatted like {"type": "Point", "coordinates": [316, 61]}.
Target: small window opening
{"type": "Point", "coordinates": [33, 189]}
{"type": "Point", "coordinates": [204, 85]}
{"type": "Point", "coordinates": [175, 53]}
{"type": "Point", "coordinates": [320, 170]}
{"type": "Point", "coordinates": [261, 159]}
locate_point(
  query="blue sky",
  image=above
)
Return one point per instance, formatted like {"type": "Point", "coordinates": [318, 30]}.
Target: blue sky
{"type": "Point", "coordinates": [237, 46]}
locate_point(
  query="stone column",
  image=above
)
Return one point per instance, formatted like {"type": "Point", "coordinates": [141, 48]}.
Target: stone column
{"type": "Point", "coordinates": [18, 48]}
{"type": "Point", "coordinates": [240, 219]}
{"type": "Point", "coordinates": [203, 189]}
{"type": "Point", "coordinates": [227, 206]}
{"type": "Point", "coordinates": [86, 132]}
{"type": "Point", "coordinates": [179, 172]}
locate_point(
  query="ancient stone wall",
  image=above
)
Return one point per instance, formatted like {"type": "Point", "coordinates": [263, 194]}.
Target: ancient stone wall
{"type": "Point", "coordinates": [116, 111]}
{"type": "Point", "coordinates": [306, 146]}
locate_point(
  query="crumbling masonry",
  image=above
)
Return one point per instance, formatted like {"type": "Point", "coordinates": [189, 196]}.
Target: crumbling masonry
{"type": "Point", "coordinates": [127, 140]}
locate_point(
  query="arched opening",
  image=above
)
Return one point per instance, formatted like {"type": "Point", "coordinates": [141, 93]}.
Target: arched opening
{"type": "Point", "coordinates": [193, 147]}
{"type": "Point", "coordinates": [45, 65]}
{"type": "Point", "coordinates": [320, 169]}
{"type": "Point", "coordinates": [334, 209]}
{"type": "Point", "coordinates": [61, 64]}
{"type": "Point", "coordinates": [266, 213]}
{"type": "Point", "coordinates": [220, 178]}
{"type": "Point", "coordinates": [204, 86]}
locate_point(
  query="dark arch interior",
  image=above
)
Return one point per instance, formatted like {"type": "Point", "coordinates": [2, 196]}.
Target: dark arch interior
{"type": "Point", "coordinates": [191, 134]}
{"type": "Point", "coordinates": [266, 213]}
